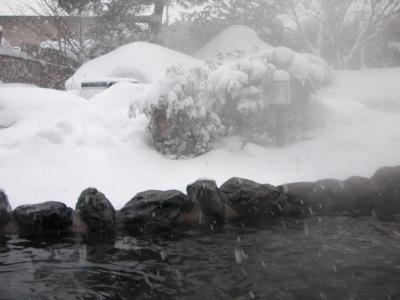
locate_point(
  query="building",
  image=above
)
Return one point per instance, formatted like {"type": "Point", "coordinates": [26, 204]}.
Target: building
{"type": "Point", "coordinates": [22, 57]}
{"type": "Point", "coordinates": [19, 30]}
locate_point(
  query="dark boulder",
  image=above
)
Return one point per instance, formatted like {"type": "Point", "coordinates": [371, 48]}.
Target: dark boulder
{"type": "Point", "coordinates": [206, 195]}
{"type": "Point", "coordinates": [5, 209]}
{"type": "Point", "coordinates": [355, 196]}
{"type": "Point", "coordinates": [331, 197]}
{"type": "Point", "coordinates": [249, 198]}
{"type": "Point", "coordinates": [387, 178]}
{"type": "Point", "coordinates": [154, 210]}
{"type": "Point", "coordinates": [388, 181]}
{"type": "Point", "coordinates": [96, 211]}
{"type": "Point", "coordinates": [301, 196]}
{"type": "Point", "coordinates": [323, 197]}
{"type": "Point", "coordinates": [47, 217]}
{"type": "Point", "coordinates": [363, 193]}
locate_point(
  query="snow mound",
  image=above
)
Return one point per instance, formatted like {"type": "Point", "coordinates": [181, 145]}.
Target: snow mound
{"type": "Point", "coordinates": [143, 61]}
{"type": "Point", "coordinates": [231, 39]}
{"type": "Point", "coordinates": [377, 88]}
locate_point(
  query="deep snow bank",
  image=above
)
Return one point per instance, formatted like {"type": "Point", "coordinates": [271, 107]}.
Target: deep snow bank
{"type": "Point", "coordinates": [377, 88]}
{"type": "Point", "coordinates": [144, 61]}
{"type": "Point", "coordinates": [53, 145]}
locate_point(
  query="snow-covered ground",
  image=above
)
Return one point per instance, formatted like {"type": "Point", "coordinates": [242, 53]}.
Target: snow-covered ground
{"type": "Point", "coordinates": [376, 88]}
{"type": "Point", "coordinates": [54, 144]}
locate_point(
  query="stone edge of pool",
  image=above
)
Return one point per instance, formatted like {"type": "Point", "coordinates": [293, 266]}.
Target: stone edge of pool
{"type": "Point", "coordinates": [205, 205]}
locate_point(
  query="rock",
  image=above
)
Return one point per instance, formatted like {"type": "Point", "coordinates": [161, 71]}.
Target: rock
{"type": "Point", "coordinates": [388, 181]}
{"type": "Point", "coordinates": [206, 195]}
{"type": "Point", "coordinates": [363, 193]}
{"type": "Point", "coordinates": [325, 197]}
{"type": "Point", "coordinates": [154, 210]}
{"type": "Point", "coordinates": [387, 178]}
{"type": "Point", "coordinates": [5, 209]}
{"type": "Point", "coordinates": [96, 211]}
{"type": "Point", "coordinates": [331, 197]}
{"type": "Point", "coordinates": [301, 195]}
{"type": "Point", "coordinates": [249, 198]}
{"type": "Point", "coordinates": [47, 217]}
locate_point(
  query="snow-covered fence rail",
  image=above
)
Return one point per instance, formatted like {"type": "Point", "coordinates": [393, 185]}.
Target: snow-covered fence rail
{"type": "Point", "coordinates": [236, 200]}
{"type": "Point", "coordinates": [24, 69]}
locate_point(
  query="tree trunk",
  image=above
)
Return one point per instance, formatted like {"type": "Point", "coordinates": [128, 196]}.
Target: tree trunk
{"type": "Point", "coordinates": [154, 20]}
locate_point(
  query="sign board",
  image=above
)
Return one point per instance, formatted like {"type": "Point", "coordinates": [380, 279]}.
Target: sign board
{"type": "Point", "coordinates": [280, 88]}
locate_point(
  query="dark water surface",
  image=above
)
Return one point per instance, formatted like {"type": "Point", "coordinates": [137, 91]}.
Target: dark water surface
{"type": "Point", "coordinates": [317, 258]}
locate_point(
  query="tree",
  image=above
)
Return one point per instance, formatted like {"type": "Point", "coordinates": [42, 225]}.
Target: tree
{"type": "Point", "coordinates": [64, 27]}
{"type": "Point", "coordinates": [148, 15]}
{"type": "Point", "coordinates": [200, 25]}
{"type": "Point", "coordinates": [342, 28]}
{"type": "Point", "coordinates": [89, 28]}
{"type": "Point", "coordinates": [261, 15]}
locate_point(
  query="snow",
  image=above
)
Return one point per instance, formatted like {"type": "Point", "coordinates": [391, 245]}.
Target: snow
{"type": "Point", "coordinates": [54, 144]}
{"type": "Point", "coordinates": [302, 66]}
{"type": "Point", "coordinates": [245, 41]}
{"type": "Point", "coordinates": [8, 50]}
{"type": "Point", "coordinates": [144, 61]}
{"type": "Point", "coordinates": [377, 88]}
{"type": "Point", "coordinates": [281, 75]}
{"type": "Point", "coordinates": [230, 40]}
{"type": "Point", "coordinates": [65, 47]}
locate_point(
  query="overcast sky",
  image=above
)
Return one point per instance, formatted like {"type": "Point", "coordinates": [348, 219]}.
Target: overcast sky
{"type": "Point", "coordinates": [15, 7]}
{"type": "Point", "coordinates": [4, 9]}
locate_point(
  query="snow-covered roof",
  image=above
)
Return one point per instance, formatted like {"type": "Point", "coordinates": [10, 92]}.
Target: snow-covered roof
{"type": "Point", "coordinates": [233, 38]}
{"type": "Point", "coordinates": [7, 49]}
{"type": "Point", "coordinates": [144, 61]}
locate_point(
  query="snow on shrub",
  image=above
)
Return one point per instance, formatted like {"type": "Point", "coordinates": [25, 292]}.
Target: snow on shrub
{"type": "Point", "coordinates": [303, 67]}
{"type": "Point", "coordinates": [181, 121]}
{"type": "Point", "coordinates": [239, 88]}
{"type": "Point", "coordinates": [190, 109]}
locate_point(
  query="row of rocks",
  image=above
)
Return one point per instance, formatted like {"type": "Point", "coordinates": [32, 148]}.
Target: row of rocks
{"type": "Point", "coordinates": [208, 205]}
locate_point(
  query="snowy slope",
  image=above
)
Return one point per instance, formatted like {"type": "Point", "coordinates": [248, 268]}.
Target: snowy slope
{"type": "Point", "coordinates": [144, 61]}
{"type": "Point", "coordinates": [54, 144]}
{"type": "Point", "coordinates": [236, 37]}
{"type": "Point", "coordinates": [376, 88]}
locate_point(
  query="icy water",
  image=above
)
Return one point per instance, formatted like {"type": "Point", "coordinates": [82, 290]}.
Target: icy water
{"type": "Point", "coordinates": [318, 258]}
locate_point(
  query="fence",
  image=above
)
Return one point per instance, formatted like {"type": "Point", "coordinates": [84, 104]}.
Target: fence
{"type": "Point", "coordinates": [24, 69]}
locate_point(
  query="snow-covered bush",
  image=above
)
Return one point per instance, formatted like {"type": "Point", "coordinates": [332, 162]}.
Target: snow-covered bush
{"type": "Point", "coordinates": [239, 88]}
{"type": "Point", "coordinates": [190, 109]}
{"type": "Point", "coordinates": [302, 67]}
{"type": "Point", "coordinates": [181, 121]}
